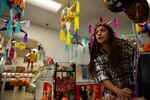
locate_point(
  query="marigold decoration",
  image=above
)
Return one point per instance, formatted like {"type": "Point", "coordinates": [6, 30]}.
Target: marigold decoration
{"type": "Point", "coordinates": [26, 82]}
{"type": "Point", "coordinates": [43, 98]}
{"type": "Point", "coordinates": [69, 15]}
{"type": "Point", "coordinates": [14, 82]}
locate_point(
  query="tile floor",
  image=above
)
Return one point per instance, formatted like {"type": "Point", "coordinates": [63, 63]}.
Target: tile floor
{"type": "Point", "coordinates": [17, 95]}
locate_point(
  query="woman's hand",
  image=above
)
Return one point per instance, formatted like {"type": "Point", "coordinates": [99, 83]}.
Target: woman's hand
{"type": "Point", "coordinates": [124, 93]}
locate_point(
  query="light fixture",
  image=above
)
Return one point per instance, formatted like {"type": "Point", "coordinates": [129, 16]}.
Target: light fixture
{"type": "Point", "coordinates": [148, 2]}
{"type": "Point", "coordinates": [46, 4]}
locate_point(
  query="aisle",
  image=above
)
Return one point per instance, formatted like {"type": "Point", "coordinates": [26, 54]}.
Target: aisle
{"type": "Point", "coordinates": [17, 95]}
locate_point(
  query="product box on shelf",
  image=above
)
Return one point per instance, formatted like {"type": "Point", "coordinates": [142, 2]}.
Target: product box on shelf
{"type": "Point", "coordinates": [86, 91]}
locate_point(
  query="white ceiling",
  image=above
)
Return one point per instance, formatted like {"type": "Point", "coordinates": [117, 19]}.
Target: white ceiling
{"type": "Point", "coordinates": [91, 10]}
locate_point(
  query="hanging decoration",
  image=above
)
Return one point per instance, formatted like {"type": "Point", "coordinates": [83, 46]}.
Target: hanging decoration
{"type": "Point", "coordinates": [10, 52]}
{"type": "Point", "coordinates": [143, 28]}
{"type": "Point", "coordinates": [69, 15]}
{"type": "Point", "coordinates": [13, 26]}
{"type": "Point", "coordinates": [14, 23]}
{"type": "Point", "coordinates": [76, 40]}
{"type": "Point", "coordinates": [13, 5]}
{"type": "Point", "coordinates": [116, 24]}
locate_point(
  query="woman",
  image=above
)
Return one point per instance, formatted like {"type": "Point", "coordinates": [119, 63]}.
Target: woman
{"type": "Point", "coordinates": [111, 63]}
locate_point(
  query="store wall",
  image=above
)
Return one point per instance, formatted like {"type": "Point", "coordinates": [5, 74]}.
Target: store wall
{"type": "Point", "coordinates": [54, 48]}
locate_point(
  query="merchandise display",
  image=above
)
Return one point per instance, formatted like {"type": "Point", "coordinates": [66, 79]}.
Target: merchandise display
{"type": "Point", "coordinates": [65, 80]}
{"type": "Point", "coordinates": [87, 90]}
{"type": "Point", "coordinates": [106, 54]}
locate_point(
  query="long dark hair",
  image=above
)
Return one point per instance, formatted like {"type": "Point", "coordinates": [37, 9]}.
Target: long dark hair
{"type": "Point", "coordinates": [115, 52]}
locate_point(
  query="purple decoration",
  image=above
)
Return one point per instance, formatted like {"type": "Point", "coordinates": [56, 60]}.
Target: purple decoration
{"type": "Point", "coordinates": [25, 38]}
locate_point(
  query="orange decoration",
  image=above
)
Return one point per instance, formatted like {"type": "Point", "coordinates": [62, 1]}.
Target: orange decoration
{"type": "Point", "coordinates": [43, 98]}
{"type": "Point", "coordinates": [146, 47]}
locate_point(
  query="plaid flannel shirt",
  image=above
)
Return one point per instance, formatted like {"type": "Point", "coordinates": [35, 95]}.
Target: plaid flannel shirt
{"type": "Point", "coordinates": [123, 74]}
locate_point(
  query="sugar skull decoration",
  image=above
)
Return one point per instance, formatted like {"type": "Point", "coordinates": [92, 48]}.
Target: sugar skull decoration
{"type": "Point", "coordinates": [69, 15]}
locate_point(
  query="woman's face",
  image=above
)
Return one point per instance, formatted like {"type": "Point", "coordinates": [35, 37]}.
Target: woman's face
{"type": "Point", "coordinates": [102, 34]}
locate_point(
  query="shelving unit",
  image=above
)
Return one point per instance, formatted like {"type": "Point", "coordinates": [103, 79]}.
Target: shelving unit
{"type": "Point", "coordinates": [65, 80]}
{"type": "Point", "coordinates": [142, 70]}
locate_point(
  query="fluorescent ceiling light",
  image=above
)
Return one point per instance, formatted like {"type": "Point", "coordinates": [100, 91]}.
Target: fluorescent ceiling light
{"type": "Point", "coordinates": [148, 2]}
{"type": "Point", "coordinates": [46, 4]}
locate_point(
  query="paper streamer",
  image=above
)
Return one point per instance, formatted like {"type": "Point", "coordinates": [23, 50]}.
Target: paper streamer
{"type": "Point", "coordinates": [76, 23]}
{"type": "Point", "coordinates": [66, 48]}
{"type": "Point", "coordinates": [9, 28]}
{"type": "Point", "coordinates": [137, 28]}
{"type": "Point", "coordinates": [91, 41]}
{"type": "Point", "coordinates": [11, 14]}
{"type": "Point", "coordinates": [27, 24]}
{"type": "Point", "coordinates": [76, 53]}
{"type": "Point", "coordinates": [25, 38]}
{"type": "Point", "coordinates": [62, 35]}
{"type": "Point", "coordinates": [68, 39]}
{"type": "Point", "coordinates": [18, 27]}
{"type": "Point", "coordinates": [77, 7]}
{"type": "Point", "coordinates": [116, 24]}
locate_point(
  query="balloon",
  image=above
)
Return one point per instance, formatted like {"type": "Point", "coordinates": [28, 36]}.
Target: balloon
{"type": "Point", "coordinates": [138, 12]}
{"type": "Point", "coordinates": [118, 5]}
